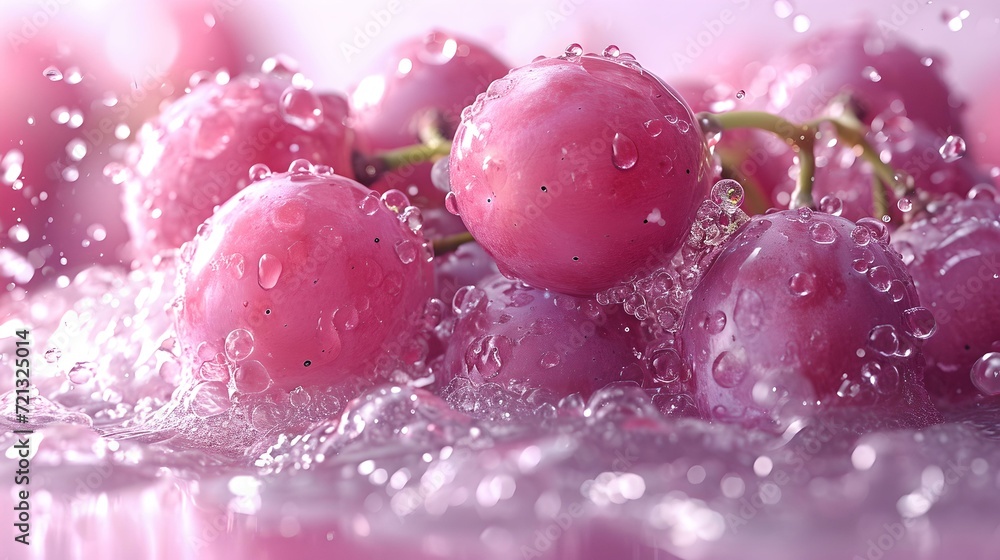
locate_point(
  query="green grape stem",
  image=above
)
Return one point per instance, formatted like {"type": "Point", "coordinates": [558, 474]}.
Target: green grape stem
{"type": "Point", "coordinates": [802, 138]}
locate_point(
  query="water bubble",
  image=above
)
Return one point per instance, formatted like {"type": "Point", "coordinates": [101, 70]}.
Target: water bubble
{"type": "Point", "coordinates": [259, 171]}
{"type": "Point", "coordinates": [52, 73]}
{"type": "Point", "coordinates": [805, 214]}
{"type": "Point", "coordinates": [728, 192]}
{"type": "Point", "coordinates": [346, 318]}
{"type": "Point", "coordinates": [268, 271]}
{"type": "Point", "coordinates": [654, 127]}
{"type": "Point", "coordinates": [728, 370]}
{"type": "Point", "coordinates": [550, 359]}
{"type": "Point", "coordinates": [953, 148]}
{"type": "Point", "coordinates": [668, 366]}
{"type": "Point", "coordinates": [451, 203]}
{"type": "Point", "coordinates": [741, 94]}
{"type": "Point", "coordinates": [822, 233]}
{"type": "Point", "coordinates": [623, 151]}
{"type": "Point", "coordinates": [52, 355]}
{"type": "Point", "coordinates": [831, 205]}
{"type": "Point", "coordinates": [370, 204]}
{"type": "Point", "coordinates": [395, 200]}
{"type": "Point", "coordinates": [904, 204]}
{"type": "Point", "coordinates": [714, 323]}
{"type": "Point", "coordinates": [871, 73]}
{"type": "Point", "coordinates": [488, 355]}
{"type": "Point", "coordinates": [861, 235]}
{"type": "Point", "coordinates": [440, 174]}
{"type": "Point", "coordinates": [301, 108]}
{"type": "Point", "coordinates": [612, 51]}
{"type": "Point", "coordinates": [210, 399]}
{"type": "Point", "coordinates": [884, 340]}
{"type": "Point", "coordinates": [884, 378]}
{"type": "Point", "coordinates": [82, 372]}
{"type": "Point", "coordinates": [802, 283]}
{"type": "Point", "coordinates": [573, 51]}
{"type": "Point", "coordinates": [407, 251]}
{"type": "Point", "coordinates": [251, 377]}
{"type": "Point", "coordinates": [300, 165]}
{"type": "Point", "coordinates": [986, 374]}
{"type": "Point", "coordinates": [239, 344]}
{"type": "Point", "coordinates": [880, 278]}
{"type": "Point", "coordinates": [919, 322]}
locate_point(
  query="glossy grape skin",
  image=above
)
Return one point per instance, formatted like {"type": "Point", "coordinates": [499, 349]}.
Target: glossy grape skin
{"type": "Point", "coordinates": [196, 154]}
{"type": "Point", "coordinates": [611, 168]}
{"type": "Point", "coordinates": [889, 84]}
{"type": "Point", "coordinates": [880, 75]}
{"type": "Point", "coordinates": [443, 74]}
{"type": "Point", "coordinates": [467, 265]}
{"type": "Point", "coordinates": [340, 295]}
{"type": "Point", "coordinates": [515, 335]}
{"type": "Point", "coordinates": [791, 304]}
{"type": "Point", "coordinates": [953, 254]}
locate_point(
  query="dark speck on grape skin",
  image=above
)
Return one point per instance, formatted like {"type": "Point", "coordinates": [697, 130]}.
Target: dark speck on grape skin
{"type": "Point", "coordinates": [967, 347]}
{"type": "Point", "coordinates": [576, 258]}
{"type": "Point", "coordinates": [688, 171]}
{"type": "Point", "coordinates": [307, 363]}
{"type": "Point", "coordinates": [376, 240]}
{"type": "Point", "coordinates": [645, 221]}
{"type": "Point", "coordinates": [267, 312]}
{"type": "Point", "coordinates": [545, 189]}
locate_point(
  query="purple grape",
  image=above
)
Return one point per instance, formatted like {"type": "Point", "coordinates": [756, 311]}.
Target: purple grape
{"type": "Point", "coordinates": [805, 313]}
{"type": "Point", "coordinates": [953, 254]}
{"type": "Point", "coordinates": [570, 171]}
{"type": "Point", "coordinates": [526, 338]}
{"type": "Point", "coordinates": [433, 76]}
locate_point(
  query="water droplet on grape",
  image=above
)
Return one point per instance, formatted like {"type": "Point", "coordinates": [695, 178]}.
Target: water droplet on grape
{"type": "Point", "coordinates": [395, 200]}
{"type": "Point", "coordinates": [499, 88]}
{"type": "Point", "coordinates": [239, 344]}
{"type": "Point", "coordinates": [268, 271]}
{"type": "Point", "coordinates": [370, 204]}
{"type": "Point", "coordinates": [451, 203]}
{"type": "Point", "coordinates": [572, 52]}
{"type": "Point", "coordinates": [822, 233]}
{"type": "Point", "coordinates": [612, 51]}
{"type": "Point", "coordinates": [986, 374]}
{"type": "Point", "coordinates": [832, 205]}
{"type": "Point", "coordinates": [623, 151]}
{"type": "Point", "coordinates": [728, 192]}
{"type": "Point", "coordinates": [953, 148]}
{"type": "Point", "coordinates": [440, 175]}
{"type": "Point", "coordinates": [880, 278]}
{"type": "Point", "coordinates": [259, 171]}
{"type": "Point", "coordinates": [346, 318]}
{"type": "Point", "coordinates": [301, 107]}
{"type": "Point", "coordinates": [407, 251]}
{"type": "Point", "coordinates": [550, 359]}
{"type": "Point", "coordinates": [884, 340]}
{"type": "Point", "coordinates": [802, 283]}
{"type": "Point", "coordinates": [251, 377]}
{"type": "Point", "coordinates": [919, 322]}
{"type": "Point", "coordinates": [52, 73]}
{"type": "Point", "coordinates": [861, 235]}
{"type": "Point", "coordinates": [904, 204]}
{"type": "Point", "coordinates": [654, 127]}
{"type": "Point", "coordinates": [488, 355]}
{"type": "Point", "coordinates": [728, 370]}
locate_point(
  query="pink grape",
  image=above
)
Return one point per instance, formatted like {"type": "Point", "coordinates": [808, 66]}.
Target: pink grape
{"type": "Point", "coordinates": [953, 254]}
{"type": "Point", "coordinates": [880, 75]}
{"type": "Point", "coordinates": [807, 313]}
{"type": "Point", "coordinates": [308, 274]}
{"type": "Point", "coordinates": [611, 169]}
{"type": "Point", "coordinates": [195, 155]}
{"type": "Point", "coordinates": [518, 336]}
{"type": "Point", "coordinates": [424, 79]}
